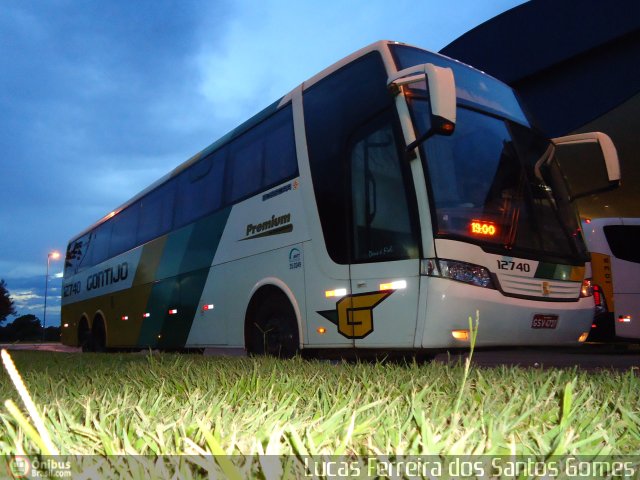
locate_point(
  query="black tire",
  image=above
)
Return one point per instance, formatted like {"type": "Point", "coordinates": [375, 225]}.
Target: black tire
{"type": "Point", "coordinates": [85, 339]}
{"type": "Point", "coordinates": [99, 335]}
{"type": "Point", "coordinates": [94, 340]}
{"type": "Point", "coordinates": [273, 329]}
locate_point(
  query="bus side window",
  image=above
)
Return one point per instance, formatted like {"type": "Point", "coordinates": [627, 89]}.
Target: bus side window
{"type": "Point", "coordinates": [280, 162]}
{"type": "Point", "coordinates": [200, 189]}
{"type": "Point", "coordinates": [99, 243]}
{"type": "Point", "coordinates": [382, 226]}
{"type": "Point", "coordinates": [156, 212]}
{"type": "Point", "coordinates": [262, 157]}
{"type": "Point", "coordinates": [245, 165]}
{"type": "Point", "coordinates": [124, 228]}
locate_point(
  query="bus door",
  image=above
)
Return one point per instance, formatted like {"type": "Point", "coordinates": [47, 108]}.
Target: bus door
{"type": "Point", "coordinates": [384, 269]}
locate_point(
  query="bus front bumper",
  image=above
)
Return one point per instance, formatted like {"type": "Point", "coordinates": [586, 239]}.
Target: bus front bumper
{"type": "Point", "coordinates": [502, 320]}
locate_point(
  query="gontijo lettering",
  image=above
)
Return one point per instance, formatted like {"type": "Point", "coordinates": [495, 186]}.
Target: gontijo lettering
{"type": "Point", "coordinates": [108, 276]}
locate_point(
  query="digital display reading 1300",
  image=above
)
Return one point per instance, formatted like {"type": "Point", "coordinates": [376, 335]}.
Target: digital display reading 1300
{"type": "Point", "coordinates": [486, 229]}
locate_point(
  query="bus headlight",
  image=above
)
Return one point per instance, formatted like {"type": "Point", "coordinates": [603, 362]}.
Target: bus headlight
{"type": "Point", "coordinates": [459, 271]}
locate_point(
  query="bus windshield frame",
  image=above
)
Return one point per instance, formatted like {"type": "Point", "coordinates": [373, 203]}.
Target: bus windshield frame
{"type": "Point", "coordinates": [481, 180]}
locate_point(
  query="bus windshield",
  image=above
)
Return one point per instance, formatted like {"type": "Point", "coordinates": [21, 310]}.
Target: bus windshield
{"type": "Point", "coordinates": [473, 88]}
{"type": "Point", "coordinates": [482, 179]}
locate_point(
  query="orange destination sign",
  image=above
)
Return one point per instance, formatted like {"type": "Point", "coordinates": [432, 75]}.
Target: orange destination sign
{"type": "Point", "coordinates": [483, 228]}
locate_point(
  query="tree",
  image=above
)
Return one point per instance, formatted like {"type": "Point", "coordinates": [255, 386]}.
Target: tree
{"type": "Point", "coordinates": [26, 327]}
{"type": "Point", "coordinates": [6, 303]}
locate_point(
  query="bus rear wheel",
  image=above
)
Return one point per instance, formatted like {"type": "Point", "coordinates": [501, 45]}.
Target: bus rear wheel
{"type": "Point", "coordinates": [94, 340]}
{"type": "Point", "coordinates": [273, 329]}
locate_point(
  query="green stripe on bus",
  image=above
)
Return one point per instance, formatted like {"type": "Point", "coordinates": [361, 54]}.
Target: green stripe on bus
{"type": "Point", "coordinates": [149, 261]}
{"type": "Point", "coordinates": [180, 280]}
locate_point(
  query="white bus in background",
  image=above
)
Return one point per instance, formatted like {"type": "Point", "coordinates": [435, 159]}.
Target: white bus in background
{"type": "Point", "coordinates": [614, 244]}
{"type": "Point", "coordinates": [377, 206]}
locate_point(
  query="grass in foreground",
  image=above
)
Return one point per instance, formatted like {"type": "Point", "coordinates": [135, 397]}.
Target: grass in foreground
{"type": "Point", "coordinates": [144, 404]}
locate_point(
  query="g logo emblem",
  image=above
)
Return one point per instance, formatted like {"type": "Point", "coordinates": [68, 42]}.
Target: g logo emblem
{"type": "Point", "coordinates": [354, 313]}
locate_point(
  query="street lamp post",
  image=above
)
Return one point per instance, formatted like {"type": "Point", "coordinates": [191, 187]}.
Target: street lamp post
{"type": "Point", "coordinates": [55, 255]}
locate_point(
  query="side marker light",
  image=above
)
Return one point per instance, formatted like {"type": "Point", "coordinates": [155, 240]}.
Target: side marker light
{"type": "Point", "coordinates": [338, 292]}
{"type": "Point", "coordinates": [397, 285]}
{"type": "Point", "coordinates": [462, 335]}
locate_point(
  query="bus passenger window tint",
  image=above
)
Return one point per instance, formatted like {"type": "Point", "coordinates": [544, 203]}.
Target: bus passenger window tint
{"type": "Point", "coordinates": [123, 233]}
{"type": "Point", "coordinates": [246, 161]}
{"type": "Point", "coordinates": [200, 189]}
{"type": "Point", "coordinates": [280, 151]}
{"type": "Point", "coordinates": [382, 227]}
{"type": "Point", "coordinates": [258, 159]}
{"type": "Point", "coordinates": [262, 157]}
{"type": "Point", "coordinates": [156, 212]}
{"type": "Point", "coordinates": [99, 243]}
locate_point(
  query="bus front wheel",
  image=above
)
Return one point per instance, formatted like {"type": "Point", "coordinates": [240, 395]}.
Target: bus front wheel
{"type": "Point", "coordinates": [273, 328]}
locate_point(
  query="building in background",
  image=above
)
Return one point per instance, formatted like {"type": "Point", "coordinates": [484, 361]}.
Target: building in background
{"type": "Point", "coordinates": [576, 65]}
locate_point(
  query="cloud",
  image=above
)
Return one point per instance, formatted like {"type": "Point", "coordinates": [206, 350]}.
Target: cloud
{"type": "Point", "coordinates": [15, 269]}
{"type": "Point", "coordinates": [271, 49]}
{"type": "Point", "coordinates": [21, 298]}
{"type": "Point", "coordinates": [28, 296]}
{"type": "Point", "coordinates": [98, 101]}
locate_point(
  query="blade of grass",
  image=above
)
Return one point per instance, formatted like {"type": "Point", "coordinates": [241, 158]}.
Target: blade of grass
{"type": "Point", "coordinates": [31, 432]}
{"type": "Point", "coordinates": [28, 402]}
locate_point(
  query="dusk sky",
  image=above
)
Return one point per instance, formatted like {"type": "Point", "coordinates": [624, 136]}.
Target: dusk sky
{"type": "Point", "coordinates": [99, 99]}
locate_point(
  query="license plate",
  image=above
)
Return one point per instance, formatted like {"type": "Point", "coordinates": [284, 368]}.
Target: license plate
{"type": "Point", "coordinates": [541, 320]}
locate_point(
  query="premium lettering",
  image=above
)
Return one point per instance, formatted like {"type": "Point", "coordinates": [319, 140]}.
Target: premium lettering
{"type": "Point", "coordinates": [274, 223]}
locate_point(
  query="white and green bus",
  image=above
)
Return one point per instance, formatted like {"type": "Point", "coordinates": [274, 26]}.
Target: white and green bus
{"type": "Point", "coordinates": [377, 206]}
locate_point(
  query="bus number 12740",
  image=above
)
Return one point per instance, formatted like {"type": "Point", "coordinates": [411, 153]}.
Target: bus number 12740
{"type": "Point", "coordinates": [511, 265]}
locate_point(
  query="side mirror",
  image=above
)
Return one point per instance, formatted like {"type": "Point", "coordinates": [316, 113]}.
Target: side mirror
{"type": "Point", "coordinates": [588, 163]}
{"type": "Point", "coordinates": [442, 97]}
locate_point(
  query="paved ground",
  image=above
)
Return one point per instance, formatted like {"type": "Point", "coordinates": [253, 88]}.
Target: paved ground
{"type": "Point", "coordinates": [50, 347]}
{"type": "Point", "coordinates": [588, 357]}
